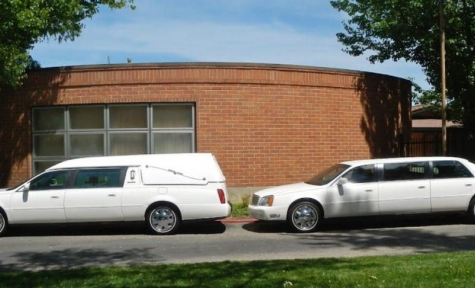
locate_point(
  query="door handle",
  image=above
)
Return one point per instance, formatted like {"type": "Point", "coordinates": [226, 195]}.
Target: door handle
{"type": "Point", "coordinates": [368, 190]}
{"type": "Point", "coordinates": [422, 187]}
{"type": "Point", "coordinates": [54, 197]}
{"type": "Point", "coordinates": [468, 185]}
{"type": "Point", "coordinates": [111, 195]}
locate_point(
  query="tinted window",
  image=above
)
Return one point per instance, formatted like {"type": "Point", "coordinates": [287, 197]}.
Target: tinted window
{"type": "Point", "coordinates": [450, 169]}
{"type": "Point", "coordinates": [362, 174]}
{"type": "Point", "coordinates": [404, 171]}
{"type": "Point", "coordinates": [327, 175]}
{"type": "Point", "coordinates": [50, 180]}
{"type": "Point", "coordinates": [102, 178]}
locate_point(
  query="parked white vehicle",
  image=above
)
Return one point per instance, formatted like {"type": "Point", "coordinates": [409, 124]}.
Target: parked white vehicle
{"type": "Point", "coordinates": [161, 190]}
{"type": "Point", "coordinates": [371, 187]}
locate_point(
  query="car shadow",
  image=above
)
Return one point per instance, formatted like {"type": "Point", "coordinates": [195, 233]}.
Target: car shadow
{"type": "Point", "coordinates": [364, 223]}
{"type": "Point", "coordinates": [113, 228]}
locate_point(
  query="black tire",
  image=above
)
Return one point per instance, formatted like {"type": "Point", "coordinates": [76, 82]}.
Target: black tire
{"type": "Point", "coordinates": [162, 219]}
{"type": "Point", "coordinates": [3, 224]}
{"type": "Point", "coordinates": [471, 211]}
{"type": "Point", "coordinates": [304, 217]}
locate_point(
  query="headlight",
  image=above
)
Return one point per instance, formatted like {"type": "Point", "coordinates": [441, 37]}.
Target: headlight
{"type": "Point", "coordinates": [266, 201]}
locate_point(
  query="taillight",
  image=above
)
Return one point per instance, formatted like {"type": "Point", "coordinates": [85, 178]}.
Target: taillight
{"type": "Point", "coordinates": [221, 196]}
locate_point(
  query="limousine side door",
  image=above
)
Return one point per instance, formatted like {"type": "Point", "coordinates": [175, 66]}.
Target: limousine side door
{"type": "Point", "coordinates": [452, 186]}
{"type": "Point", "coordinates": [95, 196]}
{"type": "Point", "coordinates": [405, 188]}
{"type": "Point", "coordinates": [358, 197]}
{"type": "Point", "coordinates": [43, 202]}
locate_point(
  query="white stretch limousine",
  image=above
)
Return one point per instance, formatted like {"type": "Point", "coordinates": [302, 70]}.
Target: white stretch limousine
{"type": "Point", "coordinates": [371, 187]}
{"type": "Point", "coordinates": [162, 189]}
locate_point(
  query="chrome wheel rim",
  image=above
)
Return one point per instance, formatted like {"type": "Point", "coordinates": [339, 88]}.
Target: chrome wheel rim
{"type": "Point", "coordinates": [2, 223]}
{"type": "Point", "coordinates": [305, 217]}
{"type": "Point", "coordinates": [162, 219]}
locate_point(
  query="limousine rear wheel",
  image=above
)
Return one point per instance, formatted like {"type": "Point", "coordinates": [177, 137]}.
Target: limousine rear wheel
{"type": "Point", "coordinates": [304, 217]}
{"type": "Point", "coordinates": [163, 220]}
{"type": "Point", "coordinates": [3, 224]}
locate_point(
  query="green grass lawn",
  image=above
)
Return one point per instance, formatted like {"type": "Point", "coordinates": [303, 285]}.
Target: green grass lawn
{"type": "Point", "coordinates": [429, 270]}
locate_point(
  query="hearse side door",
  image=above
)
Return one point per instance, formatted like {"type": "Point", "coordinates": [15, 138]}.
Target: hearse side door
{"type": "Point", "coordinates": [43, 202]}
{"type": "Point", "coordinates": [95, 195]}
{"type": "Point", "coordinates": [405, 188]}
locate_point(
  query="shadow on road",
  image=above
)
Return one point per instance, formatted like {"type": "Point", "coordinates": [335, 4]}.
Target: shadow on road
{"type": "Point", "coordinates": [362, 223]}
{"type": "Point", "coordinates": [408, 232]}
{"type": "Point", "coordinates": [97, 229]}
{"type": "Point", "coordinates": [76, 258]}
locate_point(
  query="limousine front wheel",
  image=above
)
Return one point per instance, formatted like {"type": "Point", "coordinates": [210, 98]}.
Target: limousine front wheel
{"type": "Point", "coordinates": [3, 224]}
{"type": "Point", "coordinates": [163, 220]}
{"type": "Point", "coordinates": [304, 217]}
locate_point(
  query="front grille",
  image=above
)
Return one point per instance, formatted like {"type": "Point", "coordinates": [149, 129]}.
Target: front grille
{"type": "Point", "coordinates": [255, 200]}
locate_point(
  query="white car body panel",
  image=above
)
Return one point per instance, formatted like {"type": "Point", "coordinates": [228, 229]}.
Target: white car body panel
{"type": "Point", "coordinates": [188, 181]}
{"type": "Point", "coordinates": [374, 198]}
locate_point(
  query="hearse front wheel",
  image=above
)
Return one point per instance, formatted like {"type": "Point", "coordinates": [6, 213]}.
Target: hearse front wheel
{"type": "Point", "coordinates": [304, 217]}
{"type": "Point", "coordinates": [163, 220]}
{"type": "Point", "coordinates": [3, 224]}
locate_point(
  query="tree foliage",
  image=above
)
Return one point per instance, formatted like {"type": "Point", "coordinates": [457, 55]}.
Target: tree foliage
{"type": "Point", "coordinates": [403, 29]}
{"type": "Point", "coordinates": [26, 22]}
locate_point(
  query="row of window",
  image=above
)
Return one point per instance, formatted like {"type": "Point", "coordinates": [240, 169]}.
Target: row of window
{"type": "Point", "coordinates": [65, 132]}
{"type": "Point", "coordinates": [84, 179]}
{"type": "Point", "coordinates": [409, 171]}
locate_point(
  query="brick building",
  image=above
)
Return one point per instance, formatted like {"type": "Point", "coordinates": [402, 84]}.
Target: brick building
{"type": "Point", "coordinates": [266, 124]}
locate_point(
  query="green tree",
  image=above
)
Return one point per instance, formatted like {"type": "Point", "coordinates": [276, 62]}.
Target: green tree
{"type": "Point", "coordinates": [409, 29]}
{"type": "Point", "coordinates": [26, 22]}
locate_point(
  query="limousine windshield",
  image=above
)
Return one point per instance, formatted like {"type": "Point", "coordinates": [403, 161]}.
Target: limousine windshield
{"type": "Point", "coordinates": [327, 175]}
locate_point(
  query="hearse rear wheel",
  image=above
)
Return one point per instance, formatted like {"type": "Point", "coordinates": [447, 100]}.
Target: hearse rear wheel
{"type": "Point", "coordinates": [3, 224]}
{"type": "Point", "coordinates": [304, 217]}
{"type": "Point", "coordinates": [162, 220]}
{"type": "Point", "coordinates": [471, 211]}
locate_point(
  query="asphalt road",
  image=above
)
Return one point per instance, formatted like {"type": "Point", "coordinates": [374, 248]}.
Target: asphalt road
{"type": "Point", "coordinates": [59, 246]}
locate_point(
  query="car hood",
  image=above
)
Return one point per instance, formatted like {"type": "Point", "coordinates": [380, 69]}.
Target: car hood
{"type": "Point", "coordinates": [290, 188]}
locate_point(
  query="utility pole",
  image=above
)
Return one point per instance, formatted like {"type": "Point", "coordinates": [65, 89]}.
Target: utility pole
{"type": "Point", "coordinates": [442, 73]}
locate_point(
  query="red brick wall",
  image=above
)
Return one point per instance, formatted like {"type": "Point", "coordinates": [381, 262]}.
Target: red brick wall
{"type": "Point", "coordinates": [266, 124]}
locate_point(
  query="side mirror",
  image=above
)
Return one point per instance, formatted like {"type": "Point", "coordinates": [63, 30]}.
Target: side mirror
{"type": "Point", "coordinates": [26, 187]}
{"type": "Point", "coordinates": [342, 181]}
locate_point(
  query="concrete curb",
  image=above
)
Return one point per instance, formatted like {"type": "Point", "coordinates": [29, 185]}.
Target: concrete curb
{"type": "Point", "coordinates": [237, 220]}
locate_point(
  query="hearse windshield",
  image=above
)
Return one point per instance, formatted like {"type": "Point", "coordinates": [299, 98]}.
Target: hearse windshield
{"type": "Point", "coordinates": [327, 175]}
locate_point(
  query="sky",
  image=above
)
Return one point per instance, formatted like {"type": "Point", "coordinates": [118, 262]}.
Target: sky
{"type": "Point", "coordinates": [258, 31]}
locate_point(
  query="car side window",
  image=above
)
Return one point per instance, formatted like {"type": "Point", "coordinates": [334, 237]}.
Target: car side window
{"type": "Point", "coordinates": [98, 178]}
{"type": "Point", "coordinates": [49, 181]}
{"type": "Point", "coordinates": [361, 174]}
{"type": "Point", "coordinates": [449, 169]}
{"type": "Point", "coordinates": [404, 171]}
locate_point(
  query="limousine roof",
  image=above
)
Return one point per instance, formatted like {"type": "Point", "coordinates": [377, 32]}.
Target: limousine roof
{"type": "Point", "coordinates": [401, 160]}
{"type": "Point", "coordinates": [196, 167]}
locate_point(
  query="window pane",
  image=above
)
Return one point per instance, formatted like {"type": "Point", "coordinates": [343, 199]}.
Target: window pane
{"type": "Point", "coordinates": [450, 169]}
{"type": "Point", "coordinates": [43, 165]}
{"type": "Point", "coordinates": [363, 174]}
{"type": "Point", "coordinates": [172, 116]}
{"type": "Point", "coordinates": [48, 119]}
{"type": "Point", "coordinates": [128, 116]}
{"type": "Point", "coordinates": [86, 117]}
{"type": "Point", "coordinates": [87, 144]}
{"type": "Point", "coordinates": [48, 145]}
{"type": "Point", "coordinates": [51, 180]}
{"type": "Point", "coordinates": [172, 143]}
{"type": "Point", "coordinates": [97, 179]}
{"type": "Point", "coordinates": [128, 144]}
{"type": "Point", "coordinates": [404, 171]}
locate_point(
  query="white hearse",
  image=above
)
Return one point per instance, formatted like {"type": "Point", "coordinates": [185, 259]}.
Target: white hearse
{"type": "Point", "coordinates": [161, 190]}
{"type": "Point", "coordinates": [371, 187]}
